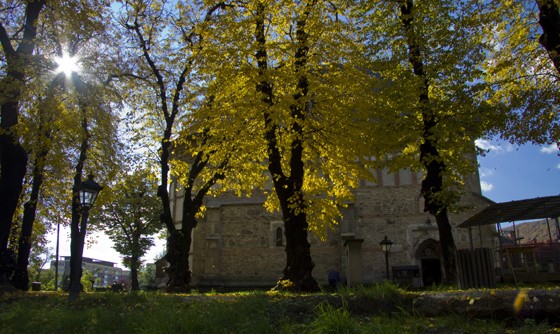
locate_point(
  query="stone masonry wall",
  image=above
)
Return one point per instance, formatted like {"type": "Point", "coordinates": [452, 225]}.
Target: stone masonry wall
{"type": "Point", "coordinates": [238, 243]}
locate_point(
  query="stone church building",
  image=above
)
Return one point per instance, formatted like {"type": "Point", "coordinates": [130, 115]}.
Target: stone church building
{"type": "Point", "coordinates": [239, 244]}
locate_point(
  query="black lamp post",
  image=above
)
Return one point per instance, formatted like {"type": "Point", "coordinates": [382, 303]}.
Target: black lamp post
{"type": "Point", "coordinates": [87, 192]}
{"type": "Point", "coordinates": [386, 248]}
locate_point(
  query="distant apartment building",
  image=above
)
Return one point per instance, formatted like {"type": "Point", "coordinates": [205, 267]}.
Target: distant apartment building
{"type": "Point", "coordinates": [104, 272]}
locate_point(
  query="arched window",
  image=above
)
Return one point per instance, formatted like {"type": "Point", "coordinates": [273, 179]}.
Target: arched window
{"type": "Point", "coordinates": [279, 237]}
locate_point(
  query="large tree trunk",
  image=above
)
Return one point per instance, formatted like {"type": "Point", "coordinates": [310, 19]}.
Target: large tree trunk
{"type": "Point", "coordinates": [297, 274]}
{"type": "Point", "coordinates": [180, 274]}
{"type": "Point", "coordinates": [178, 257]}
{"type": "Point", "coordinates": [549, 19]}
{"type": "Point", "coordinates": [13, 158]}
{"type": "Point", "coordinates": [14, 162]}
{"type": "Point", "coordinates": [77, 240]}
{"type": "Point", "coordinates": [432, 185]}
{"type": "Point", "coordinates": [21, 277]}
{"type": "Point", "coordinates": [175, 242]}
{"type": "Point", "coordinates": [135, 260]}
{"type": "Point", "coordinates": [299, 265]}
{"type": "Point", "coordinates": [78, 222]}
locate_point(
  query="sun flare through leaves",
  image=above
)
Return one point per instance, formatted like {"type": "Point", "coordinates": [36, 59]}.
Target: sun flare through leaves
{"type": "Point", "coordinates": [67, 64]}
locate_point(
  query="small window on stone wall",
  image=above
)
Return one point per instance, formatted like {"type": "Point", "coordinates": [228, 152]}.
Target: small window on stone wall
{"type": "Point", "coordinates": [279, 237]}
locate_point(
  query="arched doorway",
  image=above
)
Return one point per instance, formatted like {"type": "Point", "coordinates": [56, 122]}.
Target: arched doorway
{"type": "Point", "coordinates": [428, 255]}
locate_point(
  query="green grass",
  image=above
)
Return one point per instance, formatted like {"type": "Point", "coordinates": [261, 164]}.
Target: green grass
{"type": "Point", "coordinates": [247, 312]}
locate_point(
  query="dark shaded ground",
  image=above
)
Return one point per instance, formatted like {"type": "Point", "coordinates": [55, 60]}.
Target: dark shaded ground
{"type": "Point", "coordinates": [538, 304]}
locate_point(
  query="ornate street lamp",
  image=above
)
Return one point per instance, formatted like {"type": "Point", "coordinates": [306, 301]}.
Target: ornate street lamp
{"type": "Point", "coordinates": [88, 192]}
{"type": "Point", "coordinates": [386, 248]}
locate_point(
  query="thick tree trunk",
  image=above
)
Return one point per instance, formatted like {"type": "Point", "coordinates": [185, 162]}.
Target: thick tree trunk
{"type": "Point", "coordinates": [299, 265]}
{"type": "Point", "coordinates": [448, 248]}
{"type": "Point", "coordinates": [134, 285]}
{"type": "Point", "coordinates": [79, 220]}
{"type": "Point", "coordinates": [180, 275]}
{"type": "Point", "coordinates": [297, 274]}
{"type": "Point", "coordinates": [13, 158]}
{"type": "Point", "coordinates": [178, 258]}
{"type": "Point", "coordinates": [77, 240]}
{"type": "Point", "coordinates": [174, 237]}
{"type": "Point", "coordinates": [135, 265]}
{"type": "Point", "coordinates": [14, 161]}
{"type": "Point", "coordinates": [432, 185]}
{"type": "Point", "coordinates": [549, 19]}
{"type": "Point", "coordinates": [21, 277]}
{"type": "Point", "coordinates": [135, 258]}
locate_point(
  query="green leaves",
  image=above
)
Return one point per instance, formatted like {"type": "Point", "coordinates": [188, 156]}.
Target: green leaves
{"type": "Point", "coordinates": [131, 216]}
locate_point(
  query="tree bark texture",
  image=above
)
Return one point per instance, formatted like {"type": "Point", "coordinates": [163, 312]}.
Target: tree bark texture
{"type": "Point", "coordinates": [20, 280]}
{"type": "Point", "coordinates": [78, 222]}
{"type": "Point", "coordinates": [174, 243]}
{"type": "Point", "coordinates": [135, 260]}
{"type": "Point", "coordinates": [13, 158]}
{"type": "Point", "coordinates": [77, 240]}
{"type": "Point", "coordinates": [549, 19]}
{"type": "Point", "coordinates": [297, 274]}
{"type": "Point", "coordinates": [434, 166]}
{"type": "Point", "coordinates": [178, 246]}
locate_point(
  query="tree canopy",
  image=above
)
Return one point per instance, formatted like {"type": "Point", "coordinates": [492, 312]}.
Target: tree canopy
{"type": "Point", "coordinates": [299, 100]}
{"type": "Point", "coordinates": [131, 218]}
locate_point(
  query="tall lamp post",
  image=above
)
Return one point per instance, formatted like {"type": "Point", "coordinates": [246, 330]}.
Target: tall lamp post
{"type": "Point", "coordinates": [57, 247]}
{"type": "Point", "coordinates": [386, 248]}
{"type": "Point", "coordinates": [88, 192]}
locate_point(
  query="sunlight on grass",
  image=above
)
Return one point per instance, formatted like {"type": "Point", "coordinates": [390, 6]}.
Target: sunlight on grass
{"type": "Point", "coordinates": [240, 312]}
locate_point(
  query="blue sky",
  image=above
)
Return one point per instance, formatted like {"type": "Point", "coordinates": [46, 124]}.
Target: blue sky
{"type": "Point", "coordinates": [511, 172]}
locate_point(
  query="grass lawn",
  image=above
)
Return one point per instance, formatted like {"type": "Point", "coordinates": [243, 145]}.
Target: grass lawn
{"type": "Point", "coordinates": [380, 310]}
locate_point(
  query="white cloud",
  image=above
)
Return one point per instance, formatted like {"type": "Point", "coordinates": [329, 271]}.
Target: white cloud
{"type": "Point", "coordinates": [558, 166]}
{"type": "Point", "coordinates": [489, 146]}
{"type": "Point", "coordinates": [486, 186]}
{"type": "Point", "coordinates": [553, 148]}
{"type": "Point", "coordinates": [485, 172]}
{"type": "Point", "coordinates": [484, 144]}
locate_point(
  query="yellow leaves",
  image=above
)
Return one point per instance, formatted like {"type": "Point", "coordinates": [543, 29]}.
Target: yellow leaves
{"type": "Point", "coordinates": [520, 300]}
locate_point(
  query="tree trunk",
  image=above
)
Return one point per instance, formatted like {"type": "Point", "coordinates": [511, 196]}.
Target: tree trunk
{"type": "Point", "coordinates": [549, 19]}
{"type": "Point", "coordinates": [299, 265]}
{"type": "Point", "coordinates": [13, 158]}
{"type": "Point", "coordinates": [180, 274]}
{"type": "Point", "coordinates": [432, 185]}
{"type": "Point", "coordinates": [77, 240]}
{"type": "Point", "coordinates": [77, 225]}
{"type": "Point", "coordinates": [174, 238]}
{"type": "Point", "coordinates": [178, 257]}
{"type": "Point", "coordinates": [297, 274]}
{"type": "Point", "coordinates": [21, 277]}
{"type": "Point", "coordinates": [135, 254]}
{"type": "Point", "coordinates": [175, 256]}
{"type": "Point", "coordinates": [14, 161]}
{"type": "Point", "coordinates": [134, 266]}
{"type": "Point", "coordinates": [448, 248]}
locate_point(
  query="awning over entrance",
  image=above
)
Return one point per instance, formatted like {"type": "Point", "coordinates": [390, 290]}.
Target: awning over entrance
{"type": "Point", "coordinates": [527, 209]}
